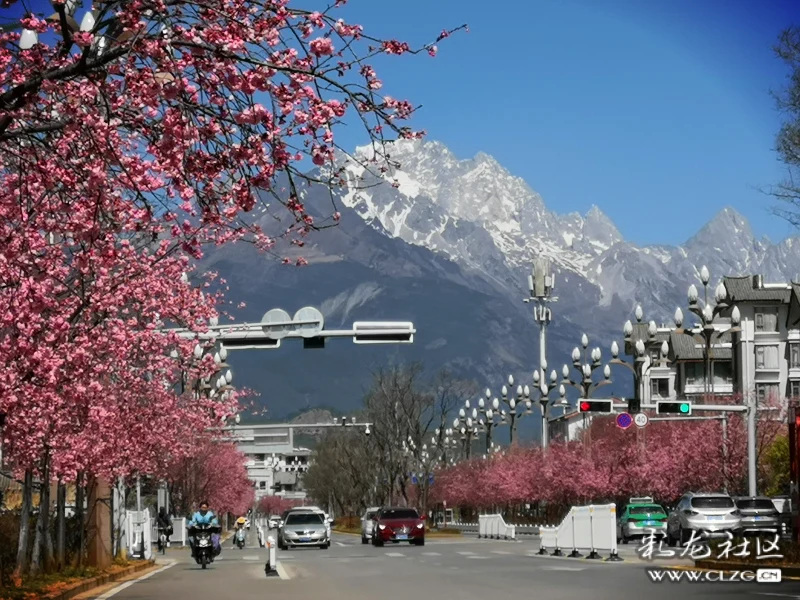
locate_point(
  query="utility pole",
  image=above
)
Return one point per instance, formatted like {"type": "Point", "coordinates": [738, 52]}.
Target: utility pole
{"type": "Point", "coordinates": [541, 283]}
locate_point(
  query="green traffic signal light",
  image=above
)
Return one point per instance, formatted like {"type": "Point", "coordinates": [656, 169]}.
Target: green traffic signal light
{"type": "Point", "coordinates": [674, 407]}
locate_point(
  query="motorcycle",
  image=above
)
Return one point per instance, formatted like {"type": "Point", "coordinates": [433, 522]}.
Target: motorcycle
{"type": "Point", "coordinates": [204, 548]}
{"type": "Point", "coordinates": [240, 537]}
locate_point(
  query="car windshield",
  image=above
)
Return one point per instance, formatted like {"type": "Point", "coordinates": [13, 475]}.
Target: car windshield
{"type": "Point", "coordinates": [644, 510]}
{"type": "Point", "coordinates": [712, 502]}
{"type": "Point", "coordinates": [399, 513]}
{"type": "Point", "coordinates": [371, 515]}
{"type": "Point", "coordinates": [757, 503]}
{"type": "Point", "coordinates": [304, 519]}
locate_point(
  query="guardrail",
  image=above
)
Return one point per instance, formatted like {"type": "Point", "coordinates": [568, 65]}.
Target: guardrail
{"type": "Point", "coordinates": [493, 526]}
{"type": "Point", "coordinates": [473, 527]}
{"type": "Point", "coordinates": [592, 528]}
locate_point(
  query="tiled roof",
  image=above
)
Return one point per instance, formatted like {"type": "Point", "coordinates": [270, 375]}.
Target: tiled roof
{"type": "Point", "coordinates": [683, 347]}
{"type": "Point", "coordinates": [740, 289]}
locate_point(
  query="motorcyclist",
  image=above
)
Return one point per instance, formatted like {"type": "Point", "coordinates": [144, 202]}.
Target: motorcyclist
{"type": "Point", "coordinates": [164, 525]}
{"type": "Point", "coordinates": [204, 516]}
{"type": "Point", "coordinates": [240, 524]}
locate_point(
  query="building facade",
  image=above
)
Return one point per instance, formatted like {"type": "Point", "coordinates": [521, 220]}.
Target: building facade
{"type": "Point", "coordinates": [274, 464]}
{"type": "Point", "coordinates": [761, 360]}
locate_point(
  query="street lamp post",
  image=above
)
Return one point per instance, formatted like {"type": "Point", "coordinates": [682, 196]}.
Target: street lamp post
{"type": "Point", "coordinates": [707, 337]}
{"type": "Point", "coordinates": [638, 340]}
{"type": "Point", "coordinates": [467, 424]}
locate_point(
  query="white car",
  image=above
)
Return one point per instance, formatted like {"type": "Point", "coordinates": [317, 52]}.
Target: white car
{"type": "Point", "coordinates": [367, 523]}
{"type": "Point", "coordinates": [274, 521]}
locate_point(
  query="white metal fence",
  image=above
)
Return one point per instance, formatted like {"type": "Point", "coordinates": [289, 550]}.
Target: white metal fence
{"type": "Point", "coordinates": [493, 526]}
{"type": "Point", "coordinates": [590, 528]}
{"type": "Point", "coordinates": [139, 533]}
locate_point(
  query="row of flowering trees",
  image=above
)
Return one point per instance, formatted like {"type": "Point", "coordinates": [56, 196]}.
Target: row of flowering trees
{"type": "Point", "coordinates": [131, 138]}
{"type": "Point", "coordinates": [664, 460]}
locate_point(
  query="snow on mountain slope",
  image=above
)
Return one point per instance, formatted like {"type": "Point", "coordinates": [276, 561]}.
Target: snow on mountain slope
{"type": "Point", "coordinates": [478, 214]}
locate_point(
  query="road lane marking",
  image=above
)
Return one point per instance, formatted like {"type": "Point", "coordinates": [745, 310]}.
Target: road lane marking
{"type": "Point", "coordinates": [128, 584]}
{"type": "Point", "coordinates": [250, 558]}
{"type": "Point", "coordinates": [281, 571]}
{"type": "Point", "coordinates": [431, 554]}
{"type": "Point", "coordinates": [465, 553]}
{"type": "Point", "coordinates": [500, 552]}
{"type": "Point", "coordinates": [563, 568]}
{"type": "Point", "coordinates": [395, 554]}
{"type": "Point", "coordinates": [481, 557]}
{"type": "Point", "coordinates": [340, 544]}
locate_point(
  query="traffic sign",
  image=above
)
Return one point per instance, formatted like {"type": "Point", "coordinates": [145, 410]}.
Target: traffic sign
{"type": "Point", "coordinates": [624, 420]}
{"type": "Point", "coordinates": [308, 322]}
{"type": "Point", "coordinates": [276, 323]}
{"type": "Point", "coordinates": [640, 419]}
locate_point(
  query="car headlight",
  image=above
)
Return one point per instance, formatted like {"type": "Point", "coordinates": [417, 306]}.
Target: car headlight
{"type": "Point", "coordinates": [420, 525]}
{"type": "Point", "coordinates": [381, 527]}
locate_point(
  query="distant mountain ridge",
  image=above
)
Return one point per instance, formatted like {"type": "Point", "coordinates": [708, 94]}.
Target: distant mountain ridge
{"type": "Point", "coordinates": [447, 244]}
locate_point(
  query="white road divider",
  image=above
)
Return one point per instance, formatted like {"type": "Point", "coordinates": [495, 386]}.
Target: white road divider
{"type": "Point", "coordinates": [592, 528]}
{"type": "Point", "coordinates": [271, 567]}
{"type": "Point", "coordinates": [495, 527]}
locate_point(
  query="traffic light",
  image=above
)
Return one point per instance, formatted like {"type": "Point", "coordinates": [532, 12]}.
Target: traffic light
{"type": "Point", "coordinates": [601, 406]}
{"type": "Point", "coordinates": [673, 408]}
{"type": "Point", "coordinates": [634, 406]}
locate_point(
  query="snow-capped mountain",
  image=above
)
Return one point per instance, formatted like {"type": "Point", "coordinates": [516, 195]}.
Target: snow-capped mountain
{"type": "Point", "coordinates": [447, 244]}
{"type": "Point", "coordinates": [478, 214]}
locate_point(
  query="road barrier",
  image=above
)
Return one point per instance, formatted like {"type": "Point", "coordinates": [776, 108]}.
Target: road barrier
{"type": "Point", "coordinates": [271, 568]}
{"type": "Point", "coordinates": [493, 526]}
{"type": "Point", "coordinates": [139, 534]}
{"type": "Point", "coordinates": [592, 528]}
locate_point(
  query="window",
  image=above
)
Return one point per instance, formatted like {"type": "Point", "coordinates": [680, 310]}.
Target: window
{"type": "Point", "coordinates": [756, 504]}
{"type": "Point", "coordinates": [767, 357]}
{"type": "Point", "coordinates": [694, 372]}
{"type": "Point", "coordinates": [767, 319]}
{"type": "Point", "coordinates": [308, 518]}
{"type": "Point", "coordinates": [655, 356]}
{"type": "Point", "coordinates": [262, 485]}
{"type": "Point", "coordinates": [766, 391]}
{"type": "Point", "coordinates": [723, 372]}
{"type": "Point", "coordinates": [712, 502]}
{"type": "Point", "coordinates": [659, 388]}
{"type": "Point", "coordinates": [399, 513]}
{"type": "Point", "coordinates": [794, 356]}
{"type": "Point", "coordinates": [794, 389]}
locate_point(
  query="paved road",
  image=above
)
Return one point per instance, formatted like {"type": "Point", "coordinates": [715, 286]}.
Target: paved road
{"type": "Point", "coordinates": [467, 569]}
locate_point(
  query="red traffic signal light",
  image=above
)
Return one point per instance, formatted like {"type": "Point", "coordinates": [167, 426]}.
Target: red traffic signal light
{"type": "Point", "coordinates": [603, 406]}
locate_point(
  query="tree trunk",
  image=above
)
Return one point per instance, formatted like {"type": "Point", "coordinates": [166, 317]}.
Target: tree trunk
{"type": "Point", "coordinates": [24, 525]}
{"type": "Point", "coordinates": [42, 541]}
{"type": "Point", "coordinates": [80, 499]}
{"type": "Point", "coordinates": [61, 525]}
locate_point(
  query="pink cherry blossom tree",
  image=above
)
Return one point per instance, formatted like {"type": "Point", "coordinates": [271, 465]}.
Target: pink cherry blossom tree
{"type": "Point", "coordinates": [127, 144]}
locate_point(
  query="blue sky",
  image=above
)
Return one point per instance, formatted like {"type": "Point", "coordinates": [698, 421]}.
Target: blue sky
{"type": "Point", "coordinates": [658, 112]}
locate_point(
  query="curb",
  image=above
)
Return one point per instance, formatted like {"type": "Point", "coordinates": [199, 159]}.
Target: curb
{"type": "Point", "coordinates": [95, 582]}
{"type": "Point", "coordinates": [713, 565]}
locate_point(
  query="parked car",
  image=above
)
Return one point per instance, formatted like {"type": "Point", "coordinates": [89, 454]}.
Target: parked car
{"type": "Point", "coordinates": [398, 525]}
{"type": "Point", "coordinates": [640, 518]}
{"type": "Point", "coordinates": [367, 523]}
{"type": "Point", "coordinates": [709, 515]}
{"type": "Point", "coordinates": [304, 528]}
{"type": "Point", "coordinates": [759, 515]}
